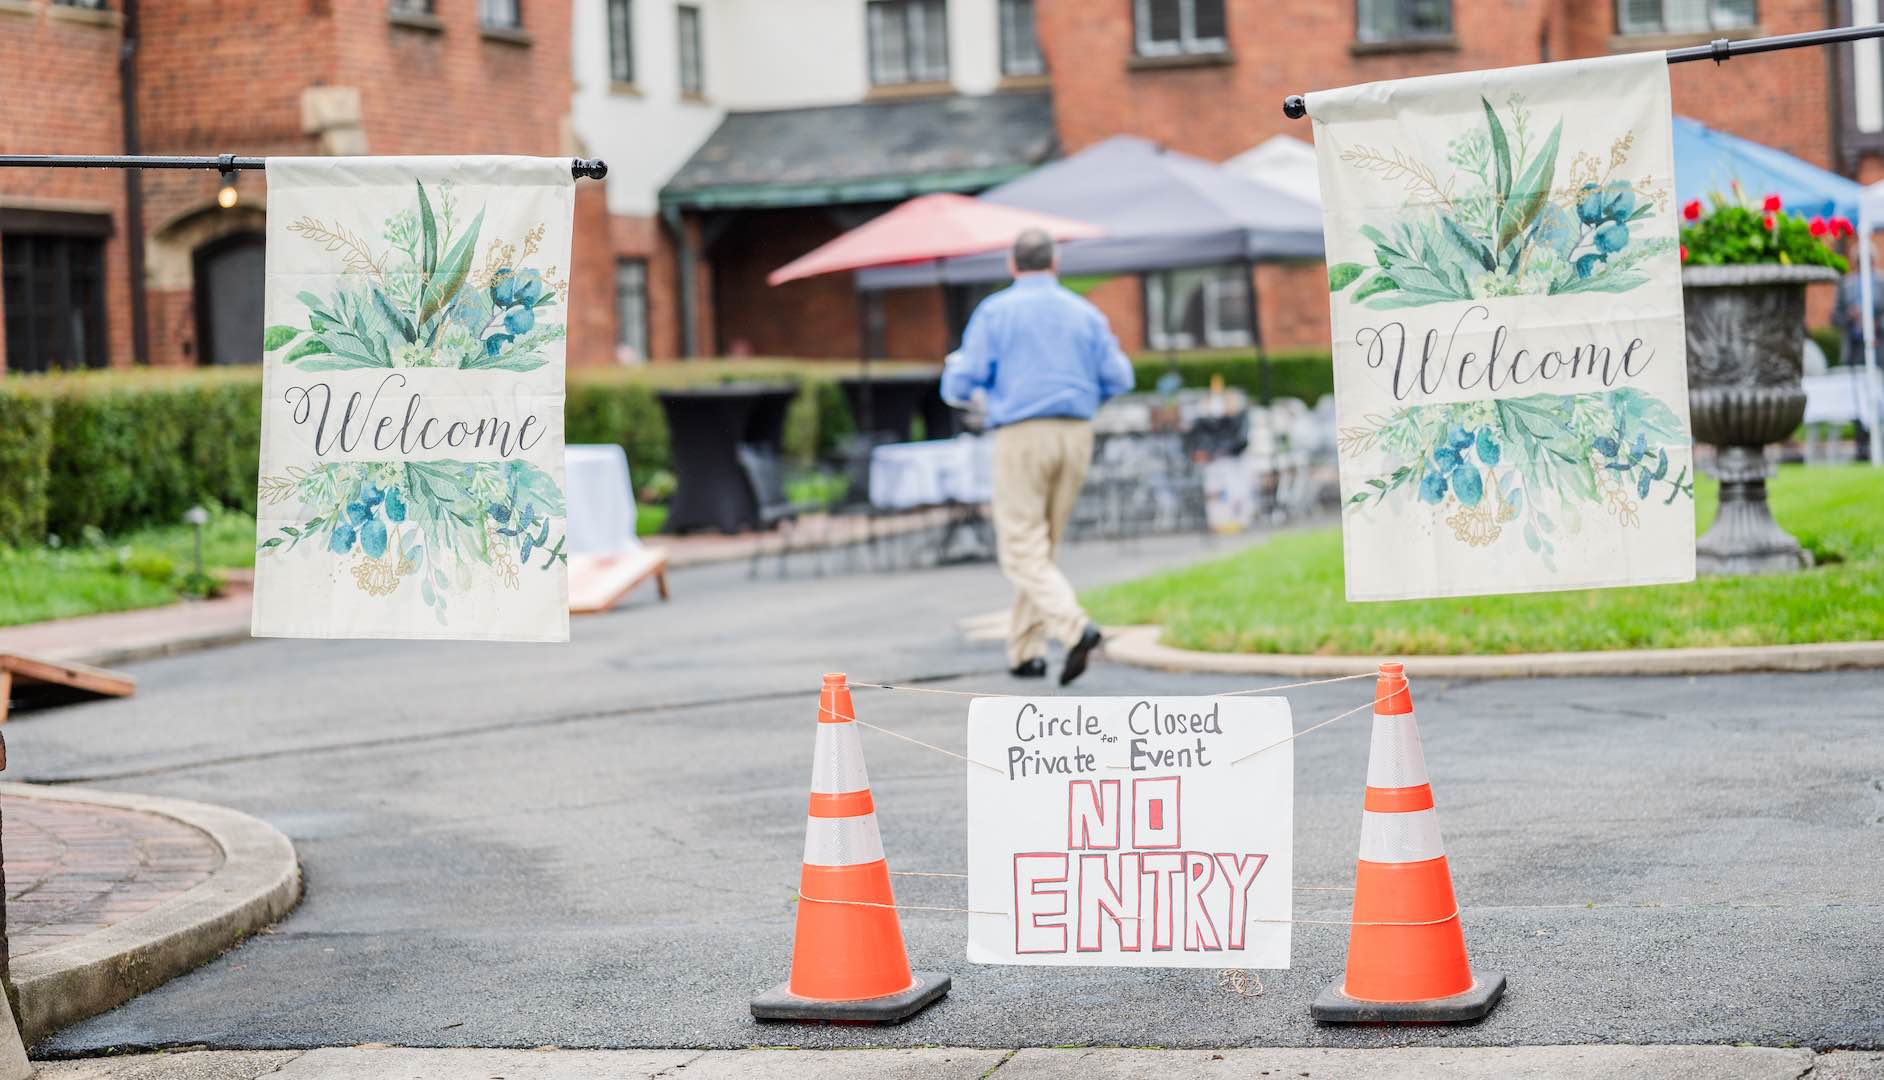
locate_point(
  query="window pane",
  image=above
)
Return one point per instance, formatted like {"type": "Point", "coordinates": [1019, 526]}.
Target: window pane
{"type": "Point", "coordinates": [54, 298]}
{"type": "Point", "coordinates": [1731, 14]}
{"type": "Point", "coordinates": [1377, 20]}
{"type": "Point", "coordinates": [410, 7]}
{"type": "Point", "coordinates": [631, 308]}
{"type": "Point", "coordinates": [929, 40]}
{"type": "Point", "coordinates": [692, 79]}
{"type": "Point", "coordinates": [1020, 49]}
{"type": "Point", "coordinates": [1162, 21]}
{"type": "Point", "coordinates": [621, 50]}
{"type": "Point", "coordinates": [1207, 21]}
{"type": "Point", "coordinates": [499, 14]}
{"type": "Point", "coordinates": [1639, 16]}
{"type": "Point", "coordinates": [1427, 17]}
{"type": "Point", "coordinates": [889, 46]}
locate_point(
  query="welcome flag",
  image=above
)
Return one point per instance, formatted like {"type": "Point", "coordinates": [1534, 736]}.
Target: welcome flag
{"type": "Point", "coordinates": [412, 427]}
{"type": "Point", "coordinates": [1509, 356]}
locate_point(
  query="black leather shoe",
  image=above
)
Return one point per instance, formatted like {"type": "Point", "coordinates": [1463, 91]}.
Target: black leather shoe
{"type": "Point", "coordinates": [1030, 669]}
{"type": "Point", "coordinates": [1081, 651]}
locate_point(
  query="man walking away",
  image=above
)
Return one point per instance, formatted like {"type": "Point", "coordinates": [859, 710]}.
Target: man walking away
{"type": "Point", "coordinates": [1046, 360]}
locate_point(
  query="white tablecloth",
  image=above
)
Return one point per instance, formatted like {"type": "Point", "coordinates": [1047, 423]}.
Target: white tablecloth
{"type": "Point", "coordinates": [600, 499]}
{"type": "Point", "coordinates": [908, 475]}
{"type": "Point", "coordinates": [1838, 397]}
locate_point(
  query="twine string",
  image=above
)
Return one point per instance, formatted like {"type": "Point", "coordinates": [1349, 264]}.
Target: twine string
{"type": "Point", "coordinates": [824, 711]}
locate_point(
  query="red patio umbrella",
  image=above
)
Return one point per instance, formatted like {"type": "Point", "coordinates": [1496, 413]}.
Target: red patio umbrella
{"type": "Point", "coordinates": [926, 228]}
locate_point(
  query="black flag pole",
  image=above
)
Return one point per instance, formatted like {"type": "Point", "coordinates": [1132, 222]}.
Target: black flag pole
{"type": "Point", "coordinates": [589, 168]}
{"type": "Point", "coordinates": [1295, 106]}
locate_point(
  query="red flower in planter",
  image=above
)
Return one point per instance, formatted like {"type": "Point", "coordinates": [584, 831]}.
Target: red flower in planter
{"type": "Point", "coordinates": [1842, 226]}
{"type": "Point", "coordinates": [1692, 211]}
{"type": "Point", "coordinates": [1770, 220]}
{"type": "Point", "coordinates": [1684, 253]}
{"type": "Point", "coordinates": [1771, 205]}
{"type": "Point", "coordinates": [1819, 226]}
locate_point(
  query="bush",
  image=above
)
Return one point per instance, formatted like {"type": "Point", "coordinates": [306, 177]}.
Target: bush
{"type": "Point", "coordinates": [111, 452]}
{"type": "Point", "coordinates": [1305, 374]}
{"type": "Point", "coordinates": [25, 445]}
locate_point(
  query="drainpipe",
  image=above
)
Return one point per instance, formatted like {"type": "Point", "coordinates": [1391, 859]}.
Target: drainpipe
{"type": "Point", "coordinates": [689, 337]}
{"type": "Point", "coordinates": [133, 186]}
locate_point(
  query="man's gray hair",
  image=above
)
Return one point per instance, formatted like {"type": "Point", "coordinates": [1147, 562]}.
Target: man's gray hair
{"type": "Point", "coordinates": [1033, 250]}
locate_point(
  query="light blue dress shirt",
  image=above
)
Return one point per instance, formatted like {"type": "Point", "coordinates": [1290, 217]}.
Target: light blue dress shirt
{"type": "Point", "coordinates": [1039, 350]}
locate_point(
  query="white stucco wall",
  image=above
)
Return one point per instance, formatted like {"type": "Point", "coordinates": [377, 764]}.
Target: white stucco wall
{"type": "Point", "coordinates": [757, 55]}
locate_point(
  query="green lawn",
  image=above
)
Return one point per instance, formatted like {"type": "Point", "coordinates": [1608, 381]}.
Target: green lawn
{"type": "Point", "coordinates": [96, 574]}
{"type": "Point", "coordinates": [1285, 596]}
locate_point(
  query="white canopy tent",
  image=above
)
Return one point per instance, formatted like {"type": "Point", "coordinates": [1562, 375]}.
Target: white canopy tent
{"type": "Point", "coordinates": [1281, 161]}
{"type": "Point", "coordinates": [1870, 214]}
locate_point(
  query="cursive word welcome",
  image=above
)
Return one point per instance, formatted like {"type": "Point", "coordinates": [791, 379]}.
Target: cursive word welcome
{"type": "Point", "coordinates": [1497, 368]}
{"type": "Point", "coordinates": [314, 404]}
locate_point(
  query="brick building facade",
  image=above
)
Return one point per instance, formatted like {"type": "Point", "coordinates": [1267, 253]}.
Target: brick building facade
{"type": "Point", "coordinates": [562, 76]}
{"type": "Point", "coordinates": [251, 77]}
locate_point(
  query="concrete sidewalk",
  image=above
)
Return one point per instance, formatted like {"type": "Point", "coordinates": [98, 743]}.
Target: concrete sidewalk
{"type": "Point", "coordinates": [948, 1063]}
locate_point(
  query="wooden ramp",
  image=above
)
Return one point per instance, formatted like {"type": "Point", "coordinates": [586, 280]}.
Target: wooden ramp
{"type": "Point", "coordinates": [33, 683]}
{"type": "Point", "coordinates": [598, 582]}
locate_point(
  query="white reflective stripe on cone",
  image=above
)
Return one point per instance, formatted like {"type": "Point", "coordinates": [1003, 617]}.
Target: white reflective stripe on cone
{"type": "Point", "coordinates": [1394, 758]}
{"type": "Point", "coordinates": [1412, 836]}
{"type": "Point", "coordinates": [838, 762]}
{"type": "Point", "coordinates": [842, 841]}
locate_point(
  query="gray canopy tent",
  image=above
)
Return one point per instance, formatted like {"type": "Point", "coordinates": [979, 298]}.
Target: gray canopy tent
{"type": "Point", "coordinates": [1160, 209]}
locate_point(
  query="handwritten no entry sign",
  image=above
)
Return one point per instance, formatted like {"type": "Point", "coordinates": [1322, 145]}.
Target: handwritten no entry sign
{"type": "Point", "coordinates": [1123, 831]}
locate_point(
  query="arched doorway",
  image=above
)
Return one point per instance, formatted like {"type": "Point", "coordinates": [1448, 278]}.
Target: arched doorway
{"type": "Point", "coordinates": [229, 283]}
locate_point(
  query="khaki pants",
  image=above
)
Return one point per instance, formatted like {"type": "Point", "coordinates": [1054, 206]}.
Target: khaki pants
{"type": "Point", "coordinates": [1039, 466]}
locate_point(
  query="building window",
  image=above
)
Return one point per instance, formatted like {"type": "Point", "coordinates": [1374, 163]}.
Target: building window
{"type": "Point", "coordinates": [53, 288]}
{"type": "Point", "coordinates": [692, 75]}
{"type": "Point", "coordinates": [1403, 20]}
{"type": "Point", "coordinates": [421, 8]}
{"type": "Point", "coordinates": [1179, 27]}
{"type": "Point", "coordinates": [500, 14]}
{"type": "Point", "coordinates": [1682, 16]}
{"type": "Point", "coordinates": [89, 5]}
{"type": "Point", "coordinates": [909, 41]}
{"type": "Point", "coordinates": [1020, 48]}
{"type": "Point", "coordinates": [1204, 307]}
{"type": "Point", "coordinates": [621, 41]}
{"type": "Point", "coordinates": [631, 310]}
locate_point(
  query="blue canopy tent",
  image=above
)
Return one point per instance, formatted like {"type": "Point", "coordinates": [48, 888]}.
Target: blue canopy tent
{"type": "Point", "coordinates": [1708, 161]}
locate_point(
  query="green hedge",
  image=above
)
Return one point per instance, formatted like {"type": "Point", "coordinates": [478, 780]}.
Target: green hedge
{"type": "Point", "coordinates": [114, 451]}
{"type": "Point", "coordinates": [25, 447]}
{"type": "Point", "coordinates": [1304, 374]}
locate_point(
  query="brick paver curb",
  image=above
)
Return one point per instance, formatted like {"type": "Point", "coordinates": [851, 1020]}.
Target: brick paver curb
{"type": "Point", "coordinates": [257, 882]}
{"type": "Point", "coordinates": [76, 868]}
{"type": "Point", "coordinates": [953, 1063]}
{"type": "Point", "coordinates": [1139, 646]}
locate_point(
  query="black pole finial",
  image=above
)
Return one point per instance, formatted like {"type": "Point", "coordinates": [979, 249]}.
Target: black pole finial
{"type": "Point", "coordinates": [593, 168]}
{"type": "Point", "coordinates": [1294, 107]}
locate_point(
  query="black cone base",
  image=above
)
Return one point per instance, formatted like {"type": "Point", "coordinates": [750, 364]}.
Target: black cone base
{"type": "Point", "coordinates": [1331, 1006]}
{"type": "Point", "coordinates": [779, 1003]}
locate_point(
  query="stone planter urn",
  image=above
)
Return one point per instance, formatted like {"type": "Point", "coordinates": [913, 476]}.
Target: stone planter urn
{"type": "Point", "coordinates": [1746, 337]}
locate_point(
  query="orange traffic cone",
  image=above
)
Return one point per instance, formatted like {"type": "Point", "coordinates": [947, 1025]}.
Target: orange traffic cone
{"type": "Point", "coordinates": [848, 960]}
{"type": "Point", "coordinates": [1406, 951]}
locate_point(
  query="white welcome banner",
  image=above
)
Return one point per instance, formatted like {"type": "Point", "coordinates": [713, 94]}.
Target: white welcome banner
{"type": "Point", "coordinates": [412, 427]}
{"type": "Point", "coordinates": [1142, 832]}
{"type": "Point", "coordinates": [1509, 359]}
